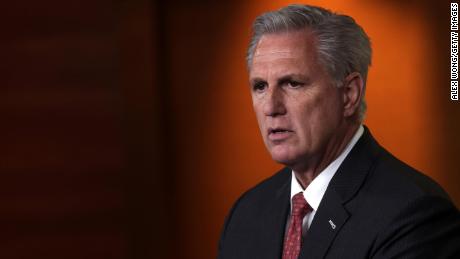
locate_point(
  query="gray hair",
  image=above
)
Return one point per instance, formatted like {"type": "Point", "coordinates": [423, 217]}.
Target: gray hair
{"type": "Point", "coordinates": [342, 45]}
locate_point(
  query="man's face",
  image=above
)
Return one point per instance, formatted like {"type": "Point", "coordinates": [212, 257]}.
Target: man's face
{"type": "Point", "coordinates": [298, 107]}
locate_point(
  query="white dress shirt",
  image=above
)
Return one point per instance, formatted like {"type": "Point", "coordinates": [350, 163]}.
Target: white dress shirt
{"type": "Point", "coordinates": [315, 190]}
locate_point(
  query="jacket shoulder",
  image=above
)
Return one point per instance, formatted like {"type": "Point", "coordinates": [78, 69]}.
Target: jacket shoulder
{"type": "Point", "coordinates": [269, 185]}
{"type": "Point", "coordinates": [418, 218]}
{"type": "Point", "coordinates": [398, 180]}
{"type": "Point", "coordinates": [251, 206]}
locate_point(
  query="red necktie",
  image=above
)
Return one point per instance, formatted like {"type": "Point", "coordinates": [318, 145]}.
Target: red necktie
{"type": "Point", "coordinates": [293, 239]}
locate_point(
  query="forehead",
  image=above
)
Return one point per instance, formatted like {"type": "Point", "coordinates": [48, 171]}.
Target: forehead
{"type": "Point", "coordinates": [287, 50]}
{"type": "Point", "coordinates": [284, 42]}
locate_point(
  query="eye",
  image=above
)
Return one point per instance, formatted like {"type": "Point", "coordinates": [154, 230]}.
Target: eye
{"type": "Point", "coordinates": [294, 84]}
{"type": "Point", "coordinates": [259, 86]}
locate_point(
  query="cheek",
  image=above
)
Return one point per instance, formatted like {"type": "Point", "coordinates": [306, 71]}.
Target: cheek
{"type": "Point", "coordinates": [313, 114]}
{"type": "Point", "coordinates": [259, 114]}
{"type": "Point", "coordinates": [328, 113]}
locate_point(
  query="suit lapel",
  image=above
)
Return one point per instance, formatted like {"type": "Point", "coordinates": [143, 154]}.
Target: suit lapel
{"type": "Point", "coordinates": [274, 220]}
{"type": "Point", "coordinates": [332, 214]}
{"type": "Point", "coordinates": [328, 221]}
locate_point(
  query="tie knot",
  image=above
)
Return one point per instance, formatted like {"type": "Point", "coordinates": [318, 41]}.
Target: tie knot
{"type": "Point", "coordinates": [300, 206]}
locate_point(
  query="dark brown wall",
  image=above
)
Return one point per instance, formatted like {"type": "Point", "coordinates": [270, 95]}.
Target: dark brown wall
{"type": "Point", "coordinates": [62, 158]}
{"type": "Point", "coordinates": [79, 164]}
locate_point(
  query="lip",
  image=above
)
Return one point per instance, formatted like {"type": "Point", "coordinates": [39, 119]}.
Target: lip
{"type": "Point", "coordinates": [279, 134]}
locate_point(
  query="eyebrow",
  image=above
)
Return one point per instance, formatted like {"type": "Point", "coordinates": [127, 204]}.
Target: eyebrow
{"type": "Point", "coordinates": [256, 80]}
{"type": "Point", "coordinates": [284, 79]}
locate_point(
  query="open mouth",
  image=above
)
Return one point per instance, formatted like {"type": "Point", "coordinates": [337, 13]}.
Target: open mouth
{"type": "Point", "coordinates": [276, 131]}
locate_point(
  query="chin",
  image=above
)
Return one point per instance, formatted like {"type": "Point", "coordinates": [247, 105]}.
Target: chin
{"type": "Point", "coordinates": [283, 157]}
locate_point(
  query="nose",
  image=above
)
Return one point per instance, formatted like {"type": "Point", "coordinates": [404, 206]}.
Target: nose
{"type": "Point", "coordinates": [274, 102]}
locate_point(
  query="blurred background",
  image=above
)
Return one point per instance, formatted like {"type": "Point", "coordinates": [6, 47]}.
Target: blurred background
{"type": "Point", "coordinates": [127, 126]}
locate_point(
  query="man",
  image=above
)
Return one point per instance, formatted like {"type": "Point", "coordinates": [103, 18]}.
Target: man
{"type": "Point", "coordinates": [341, 194]}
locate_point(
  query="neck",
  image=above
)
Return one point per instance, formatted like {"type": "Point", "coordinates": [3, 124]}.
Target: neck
{"type": "Point", "coordinates": [307, 172]}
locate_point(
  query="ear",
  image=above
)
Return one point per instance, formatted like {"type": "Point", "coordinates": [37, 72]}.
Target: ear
{"type": "Point", "coordinates": [353, 90]}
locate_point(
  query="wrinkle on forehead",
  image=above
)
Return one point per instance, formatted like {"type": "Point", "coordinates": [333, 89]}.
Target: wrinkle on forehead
{"type": "Point", "coordinates": [280, 53]}
{"type": "Point", "coordinates": [274, 47]}
{"type": "Point", "coordinates": [271, 46]}
{"type": "Point", "coordinates": [273, 52]}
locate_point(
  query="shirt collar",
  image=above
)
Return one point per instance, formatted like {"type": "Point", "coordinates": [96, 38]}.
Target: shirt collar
{"type": "Point", "coordinates": [316, 189]}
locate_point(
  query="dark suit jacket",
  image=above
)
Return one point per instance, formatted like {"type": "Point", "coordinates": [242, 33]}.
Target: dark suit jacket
{"type": "Point", "coordinates": [381, 208]}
